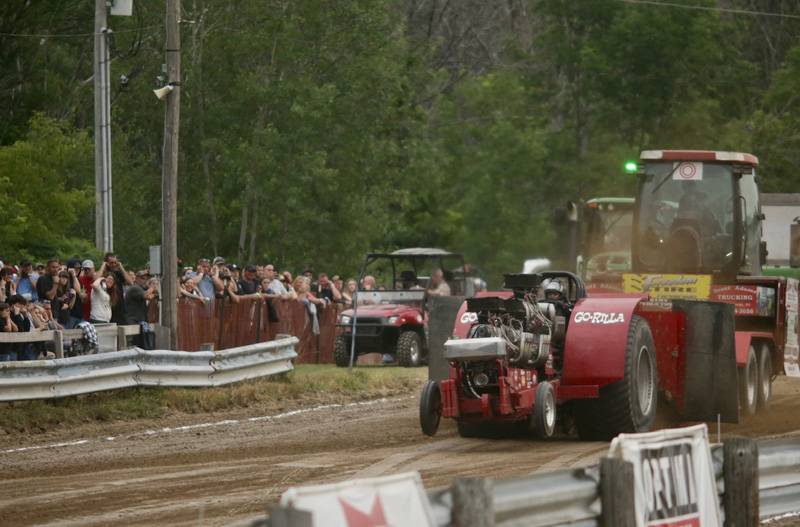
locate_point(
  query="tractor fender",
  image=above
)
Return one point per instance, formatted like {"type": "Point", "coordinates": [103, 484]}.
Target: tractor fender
{"type": "Point", "coordinates": [743, 341]}
{"type": "Point", "coordinates": [465, 319]}
{"type": "Point", "coordinates": [597, 333]}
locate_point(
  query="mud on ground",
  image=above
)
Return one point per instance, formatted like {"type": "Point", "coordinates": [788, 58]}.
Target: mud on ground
{"type": "Point", "coordinates": [215, 469]}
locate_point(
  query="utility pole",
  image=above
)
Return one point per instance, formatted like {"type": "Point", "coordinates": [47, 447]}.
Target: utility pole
{"type": "Point", "coordinates": [169, 176]}
{"type": "Point", "coordinates": [104, 235]}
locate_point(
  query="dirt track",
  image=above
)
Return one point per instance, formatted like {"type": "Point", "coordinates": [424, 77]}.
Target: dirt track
{"type": "Point", "coordinates": [227, 468]}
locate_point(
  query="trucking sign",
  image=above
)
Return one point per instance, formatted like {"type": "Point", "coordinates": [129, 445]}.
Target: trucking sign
{"type": "Point", "coordinates": [673, 477]}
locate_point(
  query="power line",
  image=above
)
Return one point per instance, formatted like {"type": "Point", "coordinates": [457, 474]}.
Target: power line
{"type": "Point", "coordinates": [707, 8]}
{"type": "Point", "coordinates": [73, 35]}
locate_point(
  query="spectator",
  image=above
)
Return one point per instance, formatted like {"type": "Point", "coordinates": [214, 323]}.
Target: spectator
{"type": "Point", "coordinates": [249, 286]}
{"type": "Point", "coordinates": [7, 286]}
{"type": "Point", "coordinates": [302, 287]}
{"type": "Point", "coordinates": [136, 298]}
{"type": "Point", "coordinates": [273, 287]}
{"type": "Point", "coordinates": [76, 312]}
{"type": "Point", "coordinates": [39, 269]}
{"type": "Point", "coordinates": [26, 284]}
{"type": "Point", "coordinates": [21, 319]}
{"type": "Point", "coordinates": [348, 292]}
{"type": "Point", "coordinates": [218, 262]}
{"type": "Point", "coordinates": [338, 282]}
{"type": "Point", "coordinates": [236, 273]}
{"type": "Point", "coordinates": [325, 290]}
{"type": "Point", "coordinates": [188, 288]}
{"type": "Point", "coordinates": [7, 350]}
{"type": "Point", "coordinates": [86, 279]}
{"type": "Point", "coordinates": [438, 286]}
{"type": "Point", "coordinates": [112, 266]}
{"type": "Point", "coordinates": [104, 298]}
{"type": "Point", "coordinates": [368, 283]}
{"type": "Point", "coordinates": [230, 287]}
{"type": "Point", "coordinates": [65, 299]}
{"type": "Point", "coordinates": [47, 285]}
{"type": "Point", "coordinates": [207, 279]}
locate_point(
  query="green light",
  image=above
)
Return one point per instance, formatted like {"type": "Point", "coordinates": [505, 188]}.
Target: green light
{"type": "Point", "coordinates": [631, 167]}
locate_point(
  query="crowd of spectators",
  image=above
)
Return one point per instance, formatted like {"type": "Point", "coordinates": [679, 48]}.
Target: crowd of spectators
{"type": "Point", "coordinates": [56, 296]}
{"type": "Point", "coordinates": [67, 295]}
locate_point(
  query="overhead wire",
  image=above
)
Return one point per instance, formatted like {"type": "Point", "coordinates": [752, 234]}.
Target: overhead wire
{"type": "Point", "coordinates": [74, 35]}
{"type": "Point", "coordinates": [709, 8]}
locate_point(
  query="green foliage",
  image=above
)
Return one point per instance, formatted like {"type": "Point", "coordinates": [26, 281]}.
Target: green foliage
{"type": "Point", "coordinates": [312, 132]}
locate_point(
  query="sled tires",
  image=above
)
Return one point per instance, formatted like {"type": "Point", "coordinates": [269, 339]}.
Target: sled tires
{"type": "Point", "coordinates": [543, 418]}
{"type": "Point", "coordinates": [430, 408]}
{"type": "Point", "coordinates": [764, 377]}
{"type": "Point", "coordinates": [409, 349]}
{"type": "Point", "coordinates": [748, 384]}
{"type": "Point", "coordinates": [628, 405]}
{"type": "Point", "coordinates": [341, 352]}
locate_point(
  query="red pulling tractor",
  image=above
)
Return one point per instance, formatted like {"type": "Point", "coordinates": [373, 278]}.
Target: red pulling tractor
{"type": "Point", "coordinates": [708, 337]}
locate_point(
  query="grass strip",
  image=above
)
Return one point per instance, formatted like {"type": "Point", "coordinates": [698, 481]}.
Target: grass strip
{"type": "Point", "coordinates": [304, 386]}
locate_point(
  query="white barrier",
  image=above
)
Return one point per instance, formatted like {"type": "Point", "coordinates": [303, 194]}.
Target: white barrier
{"type": "Point", "coordinates": [45, 379]}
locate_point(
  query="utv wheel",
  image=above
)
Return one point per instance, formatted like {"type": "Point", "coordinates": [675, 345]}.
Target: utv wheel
{"type": "Point", "coordinates": [430, 408]}
{"type": "Point", "coordinates": [748, 384]}
{"type": "Point", "coordinates": [765, 377]}
{"type": "Point", "coordinates": [543, 417]}
{"type": "Point", "coordinates": [628, 405]}
{"type": "Point", "coordinates": [341, 352]}
{"type": "Point", "coordinates": [409, 349]}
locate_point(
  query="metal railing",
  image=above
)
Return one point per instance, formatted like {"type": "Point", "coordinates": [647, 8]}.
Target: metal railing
{"type": "Point", "coordinates": [110, 337]}
{"type": "Point", "coordinates": [572, 497]}
{"type": "Point", "coordinates": [45, 379]}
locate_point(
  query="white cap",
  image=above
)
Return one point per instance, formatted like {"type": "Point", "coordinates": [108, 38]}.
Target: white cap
{"type": "Point", "coordinates": [87, 264]}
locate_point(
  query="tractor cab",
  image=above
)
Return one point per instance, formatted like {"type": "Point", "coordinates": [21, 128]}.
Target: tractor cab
{"type": "Point", "coordinates": [605, 243]}
{"type": "Point", "coordinates": [697, 212]}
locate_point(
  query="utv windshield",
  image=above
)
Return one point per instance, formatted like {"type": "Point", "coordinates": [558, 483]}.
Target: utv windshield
{"type": "Point", "coordinates": [608, 237]}
{"type": "Point", "coordinates": [685, 218]}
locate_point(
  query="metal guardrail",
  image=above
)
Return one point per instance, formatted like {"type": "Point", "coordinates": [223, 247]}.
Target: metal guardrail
{"type": "Point", "coordinates": [45, 379]}
{"type": "Point", "coordinates": [572, 497]}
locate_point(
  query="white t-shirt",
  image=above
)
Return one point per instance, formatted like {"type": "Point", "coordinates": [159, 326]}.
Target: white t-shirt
{"type": "Point", "coordinates": [101, 304]}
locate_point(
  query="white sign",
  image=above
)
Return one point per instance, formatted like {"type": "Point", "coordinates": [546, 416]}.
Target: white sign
{"type": "Point", "coordinates": [688, 171]}
{"type": "Point", "coordinates": [387, 501]}
{"type": "Point", "coordinates": [673, 477]}
{"type": "Point", "coordinates": [598, 317]}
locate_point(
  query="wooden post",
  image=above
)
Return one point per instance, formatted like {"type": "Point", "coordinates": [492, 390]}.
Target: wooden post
{"type": "Point", "coordinates": [169, 176]}
{"type": "Point", "coordinates": [473, 502]}
{"type": "Point", "coordinates": [58, 342]}
{"type": "Point", "coordinates": [617, 493]}
{"type": "Point", "coordinates": [740, 470]}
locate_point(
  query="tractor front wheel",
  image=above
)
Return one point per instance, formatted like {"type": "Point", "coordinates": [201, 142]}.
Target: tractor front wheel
{"type": "Point", "coordinates": [341, 352]}
{"type": "Point", "coordinates": [748, 384]}
{"type": "Point", "coordinates": [430, 408]}
{"type": "Point", "coordinates": [544, 411]}
{"type": "Point", "coordinates": [409, 349]}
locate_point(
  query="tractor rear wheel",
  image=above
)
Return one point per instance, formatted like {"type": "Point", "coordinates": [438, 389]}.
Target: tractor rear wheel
{"type": "Point", "coordinates": [628, 405]}
{"type": "Point", "coordinates": [430, 408]}
{"type": "Point", "coordinates": [748, 384]}
{"type": "Point", "coordinates": [341, 352]}
{"type": "Point", "coordinates": [409, 349]}
{"type": "Point", "coordinates": [543, 417]}
{"type": "Point", "coordinates": [765, 377]}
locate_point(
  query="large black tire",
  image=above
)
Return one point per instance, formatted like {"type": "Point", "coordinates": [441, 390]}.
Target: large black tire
{"type": "Point", "coordinates": [628, 405]}
{"type": "Point", "coordinates": [341, 352]}
{"type": "Point", "coordinates": [544, 414]}
{"type": "Point", "coordinates": [430, 408]}
{"type": "Point", "coordinates": [748, 384]}
{"type": "Point", "coordinates": [764, 377]}
{"type": "Point", "coordinates": [409, 349]}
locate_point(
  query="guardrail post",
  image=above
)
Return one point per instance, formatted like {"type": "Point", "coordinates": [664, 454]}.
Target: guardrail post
{"type": "Point", "coordinates": [122, 340]}
{"type": "Point", "coordinates": [617, 493]}
{"type": "Point", "coordinates": [58, 343]}
{"type": "Point", "coordinates": [740, 470]}
{"type": "Point", "coordinates": [473, 502]}
{"type": "Point", "coordinates": [162, 337]}
{"type": "Point", "coordinates": [290, 517]}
